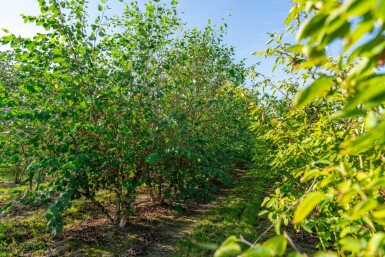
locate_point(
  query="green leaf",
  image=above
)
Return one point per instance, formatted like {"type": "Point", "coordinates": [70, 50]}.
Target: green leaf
{"type": "Point", "coordinates": [349, 230]}
{"type": "Point", "coordinates": [292, 14]}
{"type": "Point", "coordinates": [371, 120]}
{"type": "Point", "coordinates": [278, 244]}
{"type": "Point", "coordinates": [277, 226]}
{"type": "Point", "coordinates": [261, 213]}
{"type": "Point", "coordinates": [24, 57]}
{"type": "Point", "coordinates": [379, 214]}
{"type": "Point", "coordinates": [372, 91]}
{"type": "Point", "coordinates": [229, 247]}
{"type": "Point", "coordinates": [296, 49]}
{"type": "Point", "coordinates": [259, 251]}
{"type": "Point", "coordinates": [326, 254]}
{"type": "Point", "coordinates": [306, 206]}
{"type": "Point", "coordinates": [338, 33]}
{"type": "Point", "coordinates": [363, 207]}
{"type": "Point", "coordinates": [311, 27]}
{"type": "Point", "coordinates": [57, 60]}
{"type": "Point", "coordinates": [334, 22]}
{"type": "Point", "coordinates": [5, 209]}
{"type": "Point", "coordinates": [365, 141]}
{"type": "Point", "coordinates": [317, 89]}
{"type": "Point", "coordinates": [358, 7]}
{"type": "Point", "coordinates": [7, 39]}
{"type": "Point", "coordinates": [380, 11]}
{"type": "Point", "coordinates": [152, 158]}
{"type": "Point", "coordinates": [351, 244]}
{"type": "Point", "coordinates": [375, 243]}
{"type": "Point", "coordinates": [362, 28]}
{"type": "Point", "coordinates": [230, 239]}
{"type": "Point", "coordinates": [228, 250]}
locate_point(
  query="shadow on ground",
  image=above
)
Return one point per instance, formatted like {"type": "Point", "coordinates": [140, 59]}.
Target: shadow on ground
{"type": "Point", "coordinates": [154, 231]}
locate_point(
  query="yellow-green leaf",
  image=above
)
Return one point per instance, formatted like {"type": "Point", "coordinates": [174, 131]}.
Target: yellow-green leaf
{"type": "Point", "coordinates": [325, 254]}
{"type": "Point", "coordinates": [278, 244]}
{"type": "Point", "coordinates": [230, 249]}
{"type": "Point", "coordinates": [358, 7]}
{"type": "Point", "coordinates": [379, 214]}
{"type": "Point", "coordinates": [259, 251]}
{"type": "Point", "coordinates": [311, 26]}
{"type": "Point", "coordinates": [363, 207]}
{"type": "Point", "coordinates": [292, 14]}
{"type": "Point", "coordinates": [318, 88]}
{"type": "Point", "coordinates": [307, 205]}
{"type": "Point", "coordinates": [351, 244]}
{"type": "Point", "coordinates": [375, 242]}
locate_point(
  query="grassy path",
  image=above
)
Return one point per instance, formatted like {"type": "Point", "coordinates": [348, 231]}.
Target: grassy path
{"type": "Point", "coordinates": [234, 214]}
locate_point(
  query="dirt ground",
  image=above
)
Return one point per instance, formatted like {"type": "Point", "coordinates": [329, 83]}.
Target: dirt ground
{"type": "Point", "coordinates": [152, 231]}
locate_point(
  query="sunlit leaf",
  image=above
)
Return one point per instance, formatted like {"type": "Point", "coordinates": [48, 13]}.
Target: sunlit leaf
{"type": "Point", "coordinates": [278, 244]}
{"type": "Point", "coordinates": [317, 89]}
{"type": "Point", "coordinates": [363, 207]}
{"type": "Point", "coordinates": [307, 205]}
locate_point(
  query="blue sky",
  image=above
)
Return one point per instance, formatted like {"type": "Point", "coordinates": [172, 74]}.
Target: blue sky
{"type": "Point", "coordinates": [248, 24]}
{"type": "Point", "coordinates": [248, 20]}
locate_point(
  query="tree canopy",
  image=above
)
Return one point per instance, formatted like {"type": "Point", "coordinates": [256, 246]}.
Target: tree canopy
{"type": "Point", "coordinates": [119, 103]}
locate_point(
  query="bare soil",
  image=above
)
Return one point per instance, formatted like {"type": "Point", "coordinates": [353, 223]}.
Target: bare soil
{"type": "Point", "coordinates": [153, 230]}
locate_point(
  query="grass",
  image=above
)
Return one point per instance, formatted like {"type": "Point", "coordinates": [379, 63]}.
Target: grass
{"type": "Point", "coordinates": [19, 236]}
{"type": "Point", "coordinates": [23, 232]}
{"type": "Point", "coordinates": [235, 214]}
{"type": "Point", "coordinates": [87, 233]}
{"type": "Point", "coordinates": [7, 190]}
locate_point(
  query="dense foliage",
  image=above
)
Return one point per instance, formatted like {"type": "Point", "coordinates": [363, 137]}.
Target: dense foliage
{"type": "Point", "coordinates": [325, 143]}
{"type": "Point", "coordinates": [114, 103]}
{"type": "Point", "coordinates": [111, 104]}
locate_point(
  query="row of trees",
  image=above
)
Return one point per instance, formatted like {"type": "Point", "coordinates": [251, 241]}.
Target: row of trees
{"type": "Point", "coordinates": [325, 143]}
{"type": "Point", "coordinates": [116, 103]}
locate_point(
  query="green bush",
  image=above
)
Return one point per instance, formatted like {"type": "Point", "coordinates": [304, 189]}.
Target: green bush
{"type": "Point", "coordinates": [325, 144]}
{"type": "Point", "coordinates": [120, 102]}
